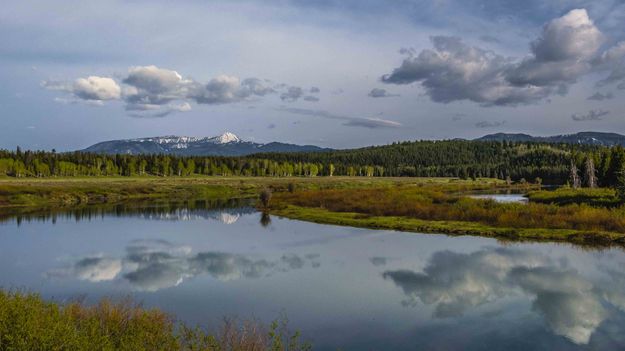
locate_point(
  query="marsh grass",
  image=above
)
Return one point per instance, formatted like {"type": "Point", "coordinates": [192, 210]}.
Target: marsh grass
{"type": "Point", "coordinates": [27, 322]}
{"type": "Point", "coordinates": [432, 208]}
{"type": "Point", "coordinates": [602, 197]}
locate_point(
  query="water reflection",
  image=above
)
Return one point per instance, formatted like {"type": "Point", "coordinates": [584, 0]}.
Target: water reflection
{"type": "Point", "coordinates": [456, 282]}
{"type": "Point", "coordinates": [265, 219]}
{"type": "Point", "coordinates": [227, 211]}
{"type": "Point", "coordinates": [346, 288]}
{"type": "Point", "coordinates": [152, 265]}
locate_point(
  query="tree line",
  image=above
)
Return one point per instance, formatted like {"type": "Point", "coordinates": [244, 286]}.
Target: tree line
{"type": "Point", "coordinates": [515, 161]}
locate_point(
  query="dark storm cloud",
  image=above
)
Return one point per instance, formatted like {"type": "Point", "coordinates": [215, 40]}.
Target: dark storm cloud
{"type": "Point", "coordinates": [567, 49]}
{"type": "Point", "coordinates": [372, 123]}
{"type": "Point", "coordinates": [592, 115]}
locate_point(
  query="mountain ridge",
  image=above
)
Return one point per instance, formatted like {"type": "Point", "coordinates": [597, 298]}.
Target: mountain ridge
{"type": "Point", "coordinates": [225, 144]}
{"type": "Point", "coordinates": [588, 137]}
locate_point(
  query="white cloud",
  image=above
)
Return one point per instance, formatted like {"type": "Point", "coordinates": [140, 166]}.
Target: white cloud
{"type": "Point", "coordinates": [96, 88]}
{"type": "Point", "coordinates": [567, 49]}
{"type": "Point", "coordinates": [156, 90]}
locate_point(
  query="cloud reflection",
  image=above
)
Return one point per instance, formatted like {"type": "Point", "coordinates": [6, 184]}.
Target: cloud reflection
{"type": "Point", "coordinates": [152, 265]}
{"type": "Point", "coordinates": [454, 283]}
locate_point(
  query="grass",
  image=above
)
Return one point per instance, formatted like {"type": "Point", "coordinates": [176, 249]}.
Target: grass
{"type": "Point", "coordinates": [604, 197]}
{"type": "Point", "coordinates": [434, 205]}
{"type": "Point", "coordinates": [439, 208]}
{"type": "Point", "coordinates": [454, 228]}
{"type": "Point", "coordinates": [27, 322]}
{"type": "Point", "coordinates": [71, 191]}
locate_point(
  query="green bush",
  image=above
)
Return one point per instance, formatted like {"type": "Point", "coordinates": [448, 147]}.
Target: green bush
{"type": "Point", "coordinates": [27, 322]}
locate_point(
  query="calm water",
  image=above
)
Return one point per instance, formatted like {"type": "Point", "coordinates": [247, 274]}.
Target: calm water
{"type": "Point", "coordinates": [348, 288]}
{"type": "Point", "coordinates": [514, 198]}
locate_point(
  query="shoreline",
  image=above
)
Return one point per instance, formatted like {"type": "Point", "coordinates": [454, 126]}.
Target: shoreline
{"type": "Point", "coordinates": [599, 239]}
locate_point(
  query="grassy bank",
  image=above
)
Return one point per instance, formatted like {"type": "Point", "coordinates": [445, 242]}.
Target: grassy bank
{"type": "Point", "coordinates": [30, 193]}
{"type": "Point", "coordinates": [439, 209]}
{"type": "Point", "coordinates": [454, 228]}
{"type": "Point", "coordinates": [603, 197]}
{"type": "Point", "coordinates": [27, 322]}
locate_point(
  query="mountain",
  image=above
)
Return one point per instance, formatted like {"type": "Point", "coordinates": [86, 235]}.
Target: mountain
{"type": "Point", "coordinates": [226, 144]}
{"type": "Point", "coordinates": [592, 138]}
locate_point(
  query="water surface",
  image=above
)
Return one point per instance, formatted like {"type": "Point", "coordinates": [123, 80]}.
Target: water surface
{"type": "Point", "coordinates": [503, 198]}
{"type": "Point", "coordinates": [344, 287]}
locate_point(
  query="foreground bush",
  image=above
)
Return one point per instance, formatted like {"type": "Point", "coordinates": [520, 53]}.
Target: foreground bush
{"type": "Point", "coordinates": [27, 322]}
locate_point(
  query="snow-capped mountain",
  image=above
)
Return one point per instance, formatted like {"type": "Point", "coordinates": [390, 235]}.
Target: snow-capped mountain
{"type": "Point", "coordinates": [226, 144]}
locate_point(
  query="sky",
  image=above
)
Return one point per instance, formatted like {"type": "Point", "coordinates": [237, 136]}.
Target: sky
{"type": "Point", "coordinates": [332, 73]}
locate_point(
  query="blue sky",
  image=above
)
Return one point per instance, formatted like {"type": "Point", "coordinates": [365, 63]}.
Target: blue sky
{"type": "Point", "coordinates": [332, 73]}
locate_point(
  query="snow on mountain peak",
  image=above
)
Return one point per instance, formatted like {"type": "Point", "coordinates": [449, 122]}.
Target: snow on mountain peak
{"type": "Point", "coordinates": [227, 137]}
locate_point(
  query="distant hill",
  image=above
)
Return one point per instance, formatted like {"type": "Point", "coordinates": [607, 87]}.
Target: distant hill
{"type": "Point", "coordinates": [226, 144]}
{"type": "Point", "coordinates": [591, 138]}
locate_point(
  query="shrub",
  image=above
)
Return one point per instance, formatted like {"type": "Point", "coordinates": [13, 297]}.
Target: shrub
{"type": "Point", "coordinates": [27, 322]}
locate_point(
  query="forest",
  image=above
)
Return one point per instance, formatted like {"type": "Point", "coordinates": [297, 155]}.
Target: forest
{"type": "Point", "coordinates": [513, 161]}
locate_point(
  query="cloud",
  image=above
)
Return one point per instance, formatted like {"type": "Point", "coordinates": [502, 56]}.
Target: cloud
{"type": "Point", "coordinates": [567, 49]}
{"type": "Point", "coordinates": [380, 93]}
{"type": "Point", "coordinates": [456, 282]}
{"type": "Point", "coordinates": [219, 90]}
{"type": "Point", "coordinates": [152, 265]}
{"type": "Point", "coordinates": [613, 60]}
{"type": "Point", "coordinates": [93, 269]}
{"type": "Point", "coordinates": [592, 115]}
{"type": "Point", "coordinates": [488, 124]}
{"type": "Point", "coordinates": [255, 86]}
{"type": "Point", "coordinates": [378, 261]}
{"type": "Point", "coordinates": [454, 71]}
{"type": "Point", "coordinates": [311, 98]}
{"type": "Point", "coordinates": [600, 97]}
{"type": "Point", "coordinates": [150, 91]}
{"type": "Point", "coordinates": [155, 111]}
{"type": "Point", "coordinates": [569, 303]}
{"type": "Point", "coordinates": [92, 88]}
{"type": "Point", "coordinates": [562, 53]}
{"type": "Point", "coordinates": [292, 94]}
{"type": "Point", "coordinates": [372, 123]}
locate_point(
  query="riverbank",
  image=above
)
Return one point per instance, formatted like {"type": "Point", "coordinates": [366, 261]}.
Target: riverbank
{"type": "Point", "coordinates": [453, 228]}
{"type": "Point", "coordinates": [28, 194]}
{"type": "Point", "coordinates": [430, 205]}
{"type": "Point", "coordinates": [442, 209]}
{"type": "Point", "coordinates": [29, 322]}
